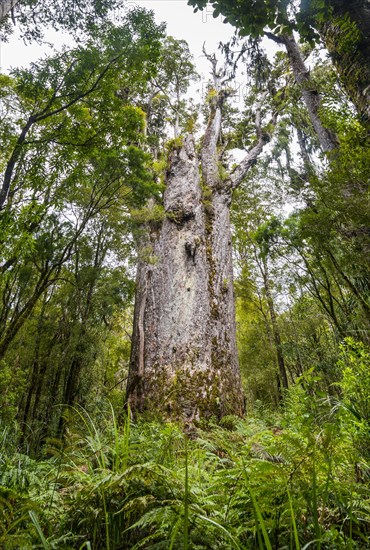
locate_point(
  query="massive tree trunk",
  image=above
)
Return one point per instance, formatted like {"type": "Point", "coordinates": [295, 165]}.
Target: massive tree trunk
{"type": "Point", "coordinates": [184, 362]}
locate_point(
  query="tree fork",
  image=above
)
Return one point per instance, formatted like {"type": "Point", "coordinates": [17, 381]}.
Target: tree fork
{"type": "Point", "coordinates": [184, 360]}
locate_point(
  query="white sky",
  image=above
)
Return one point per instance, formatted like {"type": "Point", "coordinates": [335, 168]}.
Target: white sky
{"type": "Point", "coordinates": [182, 23]}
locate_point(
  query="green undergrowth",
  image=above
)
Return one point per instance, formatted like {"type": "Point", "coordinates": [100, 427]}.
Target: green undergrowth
{"type": "Point", "coordinates": [291, 481]}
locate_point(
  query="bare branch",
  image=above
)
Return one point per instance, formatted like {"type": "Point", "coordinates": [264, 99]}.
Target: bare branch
{"type": "Point", "coordinates": [263, 137]}
{"type": "Point", "coordinates": [274, 37]}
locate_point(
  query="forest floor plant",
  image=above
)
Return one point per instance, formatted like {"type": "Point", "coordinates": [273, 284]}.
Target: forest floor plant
{"type": "Point", "coordinates": [299, 480]}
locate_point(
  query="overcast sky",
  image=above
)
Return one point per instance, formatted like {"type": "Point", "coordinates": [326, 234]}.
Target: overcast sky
{"type": "Point", "coordinates": [182, 23]}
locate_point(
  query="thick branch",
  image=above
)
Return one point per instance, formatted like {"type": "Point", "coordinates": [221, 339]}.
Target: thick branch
{"type": "Point", "coordinates": [13, 160]}
{"type": "Point", "coordinates": [274, 37]}
{"type": "Point", "coordinates": [80, 96]}
{"type": "Point", "coordinates": [209, 153]}
{"type": "Point", "coordinates": [263, 137]}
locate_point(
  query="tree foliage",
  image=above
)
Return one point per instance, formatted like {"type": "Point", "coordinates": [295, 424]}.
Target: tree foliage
{"type": "Point", "coordinates": [73, 168]}
{"type": "Point", "coordinates": [343, 26]}
{"type": "Point", "coordinates": [32, 17]}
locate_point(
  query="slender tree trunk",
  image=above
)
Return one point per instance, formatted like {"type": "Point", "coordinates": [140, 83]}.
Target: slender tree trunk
{"type": "Point", "coordinates": [16, 324]}
{"type": "Point", "coordinates": [310, 94]}
{"type": "Point", "coordinates": [5, 7]}
{"type": "Point", "coordinates": [275, 326]}
{"type": "Point", "coordinates": [34, 373]}
{"type": "Point", "coordinates": [271, 340]}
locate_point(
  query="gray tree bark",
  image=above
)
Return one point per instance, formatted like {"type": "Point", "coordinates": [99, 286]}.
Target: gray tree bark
{"type": "Point", "coordinates": [310, 94]}
{"type": "Point", "coordinates": [184, 361]}
{"type": "Point", "coordinates": [170, 368]}
{"type": "Point", "coordinates": [6, 6]}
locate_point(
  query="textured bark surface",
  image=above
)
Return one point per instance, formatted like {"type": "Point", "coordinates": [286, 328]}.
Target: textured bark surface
{"type": "Point", "coordinates": [184, 361]}
{"type": "Point", "coordinates": [5, 7]}
{"type": "Point", "coordinates": [310, 95]}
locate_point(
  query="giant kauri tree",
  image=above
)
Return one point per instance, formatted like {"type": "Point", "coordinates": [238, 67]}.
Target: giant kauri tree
{"type": "Point", "coordinates": [184, 361]}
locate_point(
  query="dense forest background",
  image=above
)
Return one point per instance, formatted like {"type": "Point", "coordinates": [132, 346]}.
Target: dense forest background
{"type": "Point", "coordinates": [89, 136]}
